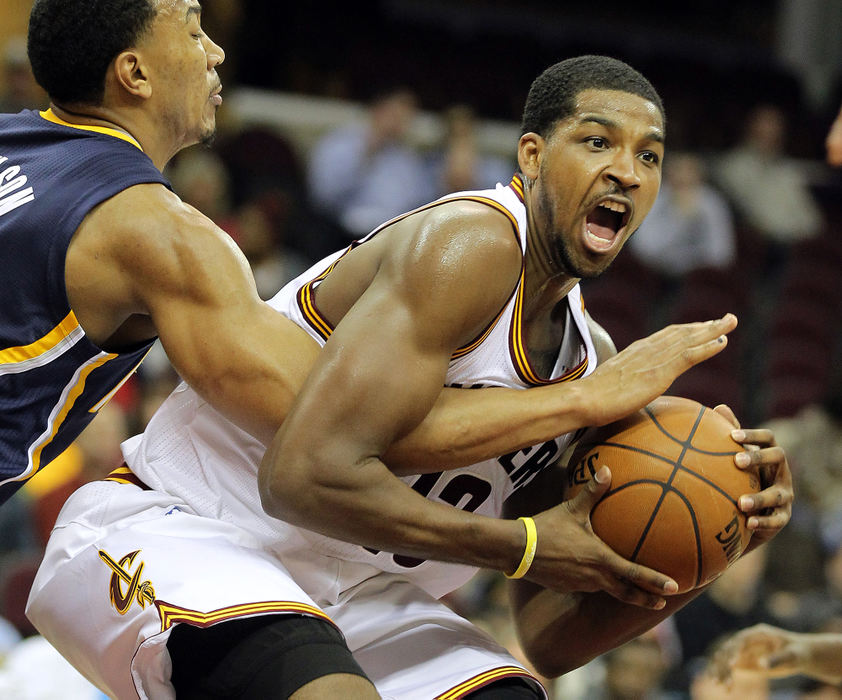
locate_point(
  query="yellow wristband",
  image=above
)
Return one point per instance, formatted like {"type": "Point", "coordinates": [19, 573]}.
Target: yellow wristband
{"type": "Point", "coordinates": [529, 552]}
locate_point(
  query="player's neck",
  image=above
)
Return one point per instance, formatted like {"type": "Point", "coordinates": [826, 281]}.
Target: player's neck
{"type": "Point", "coordinates": [86, 116]}
{"type": "Point", "coordinates": [104, 117]}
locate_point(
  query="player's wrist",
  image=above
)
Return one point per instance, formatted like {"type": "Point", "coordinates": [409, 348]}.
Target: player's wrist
{"type": "Point", "coordinates": [529, 548]}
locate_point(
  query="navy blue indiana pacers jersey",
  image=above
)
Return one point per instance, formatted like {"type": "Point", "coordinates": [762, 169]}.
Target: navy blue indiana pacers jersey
{"type": "Point", "coordinates": [53, 379]}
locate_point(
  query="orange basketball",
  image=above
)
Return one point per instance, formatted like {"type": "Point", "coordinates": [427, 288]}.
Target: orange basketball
{"type": "Point", "coordinates": [674, 486]}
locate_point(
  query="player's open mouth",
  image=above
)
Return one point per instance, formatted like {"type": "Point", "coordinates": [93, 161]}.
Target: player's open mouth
{"type": "Point", "coordinates": [604, 222]}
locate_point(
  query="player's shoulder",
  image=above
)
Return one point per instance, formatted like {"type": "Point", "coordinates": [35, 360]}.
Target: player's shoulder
{"type": "Point", "coordinates": [481, 228]}
{"type": "Point", "coordinates": [148, 226]}
{"type": "Point", "coordinates": [148, 215]}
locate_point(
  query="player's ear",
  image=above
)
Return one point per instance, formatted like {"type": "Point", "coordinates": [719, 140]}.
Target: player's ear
{"type": "Point", "coordinates": [529, 150]}
{"type": "Point", "coordinates": [131, 73]}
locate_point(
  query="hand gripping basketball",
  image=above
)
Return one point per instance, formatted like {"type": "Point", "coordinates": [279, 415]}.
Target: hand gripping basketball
{"type": "Point", "coordinates": [571, 557]}
{"type": "Point", "coordinates": [673, 499]}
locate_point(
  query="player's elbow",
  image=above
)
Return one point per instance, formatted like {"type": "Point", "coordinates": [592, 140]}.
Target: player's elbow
{"type": "Point", "coordinates": [282, 485]}
{"type": "Point", "coordinates": [295, 483]}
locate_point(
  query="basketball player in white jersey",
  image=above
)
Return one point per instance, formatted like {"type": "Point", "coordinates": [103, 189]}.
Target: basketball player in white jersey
{"type": "Point", "coordinates": [178, 557]}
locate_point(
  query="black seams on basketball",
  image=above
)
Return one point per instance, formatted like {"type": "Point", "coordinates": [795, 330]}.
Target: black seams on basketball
{"type": "Point", "coordinates": [672, 505]}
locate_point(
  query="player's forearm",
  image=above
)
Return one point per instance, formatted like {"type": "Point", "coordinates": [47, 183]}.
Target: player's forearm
{"type": "Point", "coordinates": [256, 392]}
{"type": "Point", "coordinates": [468, 426]}
{"type": "Point", "coordinates": [823, 659]}
{"type": "Point", "coordinates": [365, 504]}
{"type": "Point", "coordinates": [561, 632]}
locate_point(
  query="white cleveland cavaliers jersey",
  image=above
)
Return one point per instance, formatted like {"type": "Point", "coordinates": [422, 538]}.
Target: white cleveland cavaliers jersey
{"type": "Point", "coordinates": [191, 451]}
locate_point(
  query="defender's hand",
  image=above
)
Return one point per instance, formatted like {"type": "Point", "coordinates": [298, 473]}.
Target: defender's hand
{"type": "Point", "coordinates": [645, 369]}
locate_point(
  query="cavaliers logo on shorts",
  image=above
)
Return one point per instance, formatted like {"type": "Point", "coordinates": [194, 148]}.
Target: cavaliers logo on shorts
{"type": "Point", "coordinates": [122, 598]}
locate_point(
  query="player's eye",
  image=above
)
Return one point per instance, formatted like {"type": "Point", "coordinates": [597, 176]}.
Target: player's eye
{"type": "Point", "coordinates": [650, 157]}
{"type": "Point", "coordinates": [597, 142]}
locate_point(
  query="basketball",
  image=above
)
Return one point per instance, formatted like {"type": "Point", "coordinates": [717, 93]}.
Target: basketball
{"type": "Point", "coordinates": [672, 504]}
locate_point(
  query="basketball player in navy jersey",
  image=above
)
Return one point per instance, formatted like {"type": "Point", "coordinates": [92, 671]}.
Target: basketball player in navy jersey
{"type": "Point", "coordinates": [479, 288]}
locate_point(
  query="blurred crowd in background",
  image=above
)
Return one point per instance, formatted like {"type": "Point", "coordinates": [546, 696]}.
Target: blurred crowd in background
{"type": "Point", "coordinates": [748, 221]}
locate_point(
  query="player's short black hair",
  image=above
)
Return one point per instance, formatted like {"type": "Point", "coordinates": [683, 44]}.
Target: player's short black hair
{"type": "Point", "coordinates": [552, 96]}
{"type": "Point", "coordinates": [72, 42]}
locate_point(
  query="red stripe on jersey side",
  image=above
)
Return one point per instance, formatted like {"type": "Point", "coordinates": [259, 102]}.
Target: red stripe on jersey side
{"type": "Point", "coordinates": [483, 679]}
{"type": "Point", "coordinates": [520, 357]}
{"type": "Point", "coordinates": [516, 186]}
{"type": "Point", "coordinates": [171, 614]}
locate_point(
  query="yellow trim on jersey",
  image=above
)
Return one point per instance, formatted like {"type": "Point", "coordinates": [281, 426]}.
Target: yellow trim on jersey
{"type": "Point", "coordinates": [493, 203]}
{"type": "Point", "coordinates": [105, 399]}
{"type": "Point", "coordinates": [72, 395]}
{"type": "Point", "coordinates": [517, 185]}
{"type": "Point", "coordinates": [51, 116]}
{"type": "Point", "coordinates": [519, 354]}
{"type": "Point", "coordinates": [170, 614]}
{"type": "Point", "coordinates": [116, 475]}
{"type": "Point", "coordinates": [63, 469]}
{"type": "Point", "coordinates": [518, 349]}
{"type": "Point", "coordinates": [22, 353]}
{"type": "Point", "coordinates": [308, 305]}
{"type": "Point", "coordinates": [323, 328]}
{"type": "Point", "coordinates": [483, 679]}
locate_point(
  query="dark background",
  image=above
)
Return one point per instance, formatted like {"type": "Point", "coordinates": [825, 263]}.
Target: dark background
{"type": "Point", "coordinates": [711, 61]}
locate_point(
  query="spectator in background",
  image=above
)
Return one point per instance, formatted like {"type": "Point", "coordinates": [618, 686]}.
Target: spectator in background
{"type": "Point", "coordinates": [813, 442]}
{"type": "Point", "coordinates": [691, 224]}
{"type": "Point", "coordinates": [741, 686]}
{"type": "Point", "coordinates": [768, 189]}
{"type": "Point", "coordinates": [459, 164]}
{"type": "Point", "coordinates": [260, 236]}
{"type": "Point", "coordinates": [364, 173]}
{"type": "Point", "coordinates": [201, 178]}
{"type": "Point", "coordinates": [635, 670]}
{"type": "Point", "coordinates": [20, 91]}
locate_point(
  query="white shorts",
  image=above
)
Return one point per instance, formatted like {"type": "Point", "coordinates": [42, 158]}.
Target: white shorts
{"type": "Point", "coordinates": [124, 565]}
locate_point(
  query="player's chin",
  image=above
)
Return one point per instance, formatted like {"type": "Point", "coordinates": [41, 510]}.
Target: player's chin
{"type": "Point", "coordinates": [592, 266]}
{"type": "Point", "coordinates": [208, 135]}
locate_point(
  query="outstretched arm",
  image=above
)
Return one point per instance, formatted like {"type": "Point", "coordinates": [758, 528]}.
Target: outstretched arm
{"type": "Point", "coordinates": [467, 426]}
{"type": "Point", "coordinates": [144, 253]}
